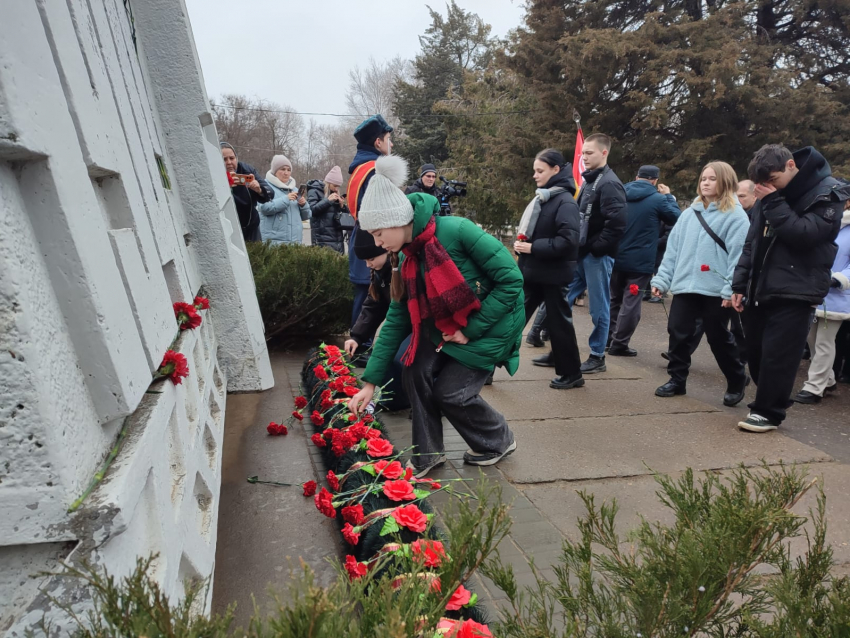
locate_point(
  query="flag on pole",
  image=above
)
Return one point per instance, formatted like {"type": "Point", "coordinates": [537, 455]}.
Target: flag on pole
{"type": "Point", "coordinates": [578, 162]}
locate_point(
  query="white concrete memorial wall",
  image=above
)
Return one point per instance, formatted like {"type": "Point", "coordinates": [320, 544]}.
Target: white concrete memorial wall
{"type": "Point", "coordinates": [113, 206]}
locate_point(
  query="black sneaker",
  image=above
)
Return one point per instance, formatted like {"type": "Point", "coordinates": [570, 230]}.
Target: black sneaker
{"type": "Point", "coordinates": [809, 398]}
{"type": "Point", "coordinates": [533, 339]}
{"type": "Point", "coordinates": [487, 458]}
{"type": "Point", "coordinates": [546, 361]}
{"type": "Point", "coordinates": [670, 389]}
{"type": "Point", "coordinates": [593, 365]}
{"type": "Point", "coordinates": [733, 397]}
{"type": "Point", "coordinates": [422, 472]}
{"type": "Point", "coordinates": [757, 423]}
{"type": "Point", "coordinates": [622, 352]}
{"type": "Point", "coordinates": [565, 383]}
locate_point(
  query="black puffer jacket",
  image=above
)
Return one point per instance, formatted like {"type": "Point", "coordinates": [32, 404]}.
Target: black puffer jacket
{"type": "Point", "coordinates": [374, 311]}
{"type": "Point", "coordinates": [246, 202]}
{"type": "Point", "coordinates": [607, 221]}
{"type": "Point", "coordinates": [791, 244]}
{"type": "Point", "coordinates": [419, 187]}
{"type": "Point", "coordinates": [325, 228]}
{"type": "Point", "coordinates": [554, 241]}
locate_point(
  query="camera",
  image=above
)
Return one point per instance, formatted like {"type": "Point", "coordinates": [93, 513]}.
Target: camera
{"type": "Point", "coordinates": [452, 188]}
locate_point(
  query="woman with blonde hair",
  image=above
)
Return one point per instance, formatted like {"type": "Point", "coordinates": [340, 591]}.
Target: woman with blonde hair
{"type": "Point", "coordinates": [702, 252]}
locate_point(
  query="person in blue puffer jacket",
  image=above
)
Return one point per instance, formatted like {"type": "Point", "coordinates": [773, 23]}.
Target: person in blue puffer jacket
{"type": "Point", "coordinates": [830, 315]}
{"type": "Point", "coordinates": [697, 268]}
{"type": "Point", "coordinates": [280, 219]}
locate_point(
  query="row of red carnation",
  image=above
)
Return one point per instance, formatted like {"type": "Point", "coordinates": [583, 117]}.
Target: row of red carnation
{"type": "Point", "coordinates": [174, 364]}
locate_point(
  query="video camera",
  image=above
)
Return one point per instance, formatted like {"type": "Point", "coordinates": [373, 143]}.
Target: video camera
{"type": "Point", "coordinates": [452, 188]}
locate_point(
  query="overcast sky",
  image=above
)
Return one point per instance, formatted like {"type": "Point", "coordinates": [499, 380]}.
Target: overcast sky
{"type": "Point", "coordinates": [299, 52]}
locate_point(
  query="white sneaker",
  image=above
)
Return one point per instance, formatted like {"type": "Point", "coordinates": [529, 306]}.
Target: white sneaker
{"type": "Point", "coordinates": [423, 471]}
{"type": "Point", "coordinates": [757, 423]}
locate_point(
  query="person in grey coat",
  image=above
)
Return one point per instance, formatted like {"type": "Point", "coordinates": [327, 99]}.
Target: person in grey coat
{"type": "Point", "coordinates": [280, 219]}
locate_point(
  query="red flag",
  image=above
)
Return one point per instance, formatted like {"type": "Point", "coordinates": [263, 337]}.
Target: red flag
{"type": "Point", "coordinates": [578, 161]}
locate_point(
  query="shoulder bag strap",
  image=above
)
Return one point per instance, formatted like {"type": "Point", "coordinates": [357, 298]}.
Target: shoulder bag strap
{"type": "Point", "coordinates": [710, 232]}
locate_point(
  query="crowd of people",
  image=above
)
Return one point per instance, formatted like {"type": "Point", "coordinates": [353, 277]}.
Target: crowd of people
{"type": "Point", "coordinates": [760, 266]}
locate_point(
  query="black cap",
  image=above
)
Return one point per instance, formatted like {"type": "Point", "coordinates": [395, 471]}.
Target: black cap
{"type": "Point", "coordinates": [371, 129]}
{"type": "Point", "coordinates": [649, 172]}
{"type": "Point", "coordinates": [364, 245]}
{"type": "Point", "coordinates": [427, 168]}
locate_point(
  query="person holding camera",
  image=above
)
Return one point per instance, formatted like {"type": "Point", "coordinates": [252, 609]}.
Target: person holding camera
{"type": "Point", "coordinates": [427, 182]}
{"type": "Point", "coordinates": [247, 189]}
{"type": "Point", "coordinates": [548, 246]}
{"type": "Point", "coordinates": [282, 216]}
{"type": "Point", "coordinates": [785, 269]}
{"type": "Point", "coordinates": [326, 205]}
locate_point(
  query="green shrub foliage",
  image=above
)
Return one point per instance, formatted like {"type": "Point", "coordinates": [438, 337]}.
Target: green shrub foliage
{"type": "Point", "coordinates": [303, 291]}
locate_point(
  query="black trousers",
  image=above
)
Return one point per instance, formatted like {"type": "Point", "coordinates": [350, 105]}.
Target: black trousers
{"type": "Point", "coordinates": [559, 323]}
{"type": "Point", "coordinates": [776, 334]}
{"type": "Point", "coordinates": [625, 307]}
{"type": "Point", "coordinates": [685, 311]}
{"type": "Point", "coordinates": [735, 327]}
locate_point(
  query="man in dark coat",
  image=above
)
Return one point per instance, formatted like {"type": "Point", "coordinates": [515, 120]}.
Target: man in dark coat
{"type": "Point", "coordinates": [647, 205]}
{"type": "Point", "coordinates": [427, 182]}
{"type": "Point", "coordinates": [602, 206]}
{"type": "Point", "coordinates": [785, 269]}
{"type": "Point", "coordinates": [247, 196]}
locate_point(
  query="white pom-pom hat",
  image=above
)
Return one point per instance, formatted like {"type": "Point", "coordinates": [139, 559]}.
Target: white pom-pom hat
{"type": "Point", "coordinates": [385, 205]}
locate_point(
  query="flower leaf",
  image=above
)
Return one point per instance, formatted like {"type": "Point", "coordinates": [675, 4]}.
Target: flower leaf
{"type": "Point", "coordinates": [390, 526]}
{"type": "Point", "coordinates": [420, 494]}
{"type": "Point", "coordinates": [369, 469]}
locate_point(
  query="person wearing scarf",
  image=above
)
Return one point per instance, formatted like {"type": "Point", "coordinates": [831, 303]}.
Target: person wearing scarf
{"type": "Point", "coordinates": [458, 292]}
{"type": "Point", "coordinates": [547, 245]}
{"type": "Point", "coordinates": [280, 219]}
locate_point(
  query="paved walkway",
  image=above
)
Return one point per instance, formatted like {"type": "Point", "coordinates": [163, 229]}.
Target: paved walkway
{"type": "Point", "coordinates": [602, 438]}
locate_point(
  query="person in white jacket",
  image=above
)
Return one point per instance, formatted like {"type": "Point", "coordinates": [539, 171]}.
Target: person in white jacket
{"type": "Point", "coordinates": [702, 252]}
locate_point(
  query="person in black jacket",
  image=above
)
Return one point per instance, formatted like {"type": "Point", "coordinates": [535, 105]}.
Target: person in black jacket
{"type": "Point", "coordinates": [785, 269]}
{"type": "Point", "coordinates": [602, 215]}
{"type": "Point", "coordinates": [547, 246]}
{"type": "Point", "coordinates": [247, 196]}
{"type": "Point", "coordinates": [427, 182]}
{"type": "Point", "coordinates": [372, 315]}
{"type": "Point", "coordinates": [326, 205]}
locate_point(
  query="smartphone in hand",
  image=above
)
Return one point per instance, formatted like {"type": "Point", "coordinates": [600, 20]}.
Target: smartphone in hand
{"type": "Point", "coordinates": [241, 180]}
{"type": "Point", "coordinates": [302, 191]}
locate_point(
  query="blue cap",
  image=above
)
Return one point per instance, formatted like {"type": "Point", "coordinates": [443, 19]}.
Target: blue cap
{"type": "Point", "coordinates": [371, 129]}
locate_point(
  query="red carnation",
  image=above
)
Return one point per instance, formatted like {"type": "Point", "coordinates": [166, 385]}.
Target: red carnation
{"type": "Point", "coordinates": [354, 568]}
{"type": "Point", "coordinates": [351, 537]}
{"type": "Point", "coordinates": [431, 483]}
{"type": "Point", "coordinates": [324, 503]}
{"type": "Point", "coordinates": [174, 366]}
{"type": "Point", "coordinates": [326, 395]}
{"type": "Point", "coordinates": [300, 402]}
{"type": "Point", "coordinates": [318, 441]}
{"type": "Point", "coordinates": [634, 289]}
{"type": "Point", "coordinates": [389, 470]}
{"type": "Point", "coordinates": [339, 369]}
{"type": "Point", "coordinates": [378, 448]}
{"type": "Point", "coordinates": [373, 433]}
{"type": "Point", "coordinates": [317, 418]}
{"type": "Point", "coordinates": [201, 303]}
{"type": "Point", "coordinates": [471, 629]}
{"type": "Point", "coordinates": [350, 390]}
{"type": "Point", "coordinates": [327, 404]}
{"type": "Point", "coordinates": [358, 431]}
{"type": "Point", "coordinates": [399, 491]}
{"type": "Point", "coordinates": [276, 429]}
{"type": "Point", "coordinates": [333, 481]}
{"type": "Point", "coordinates": [338, 449]}
{"type": "Point", "coordinates": [522, 237]}
{"type": "Point", "coordinates": [460, 598]}
{"type": "Point", "coordinates": [368, 418]}
{"type": "Point", "coordinates": [309, 488]}
{"type": "Point", "coordinates": [297, 415]}
{"type": "Point", "coordinates": [333, 351]}
{"type": "Point", "coordinates": [353, 514]}
{"type": "Point", "coordinates": [431, 553]}
{"type": "Point", "coordinates": [411, 517]}
{"type": "Point", "coordinates": [320, 373]}
{"type": "Point", "coordinates": [328, 434]}
{"type": "Point", "coordinates": [187, 316]}
{"type": "Point", "coordinates": [704, 268]}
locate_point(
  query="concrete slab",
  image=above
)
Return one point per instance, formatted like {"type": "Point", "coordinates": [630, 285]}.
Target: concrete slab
{"type": "Point", "coordinates": [561, 504]}
{"type": "Point", "coordinates": [619, 447]}
{"type": "Point", "coordinates": [264, 530]}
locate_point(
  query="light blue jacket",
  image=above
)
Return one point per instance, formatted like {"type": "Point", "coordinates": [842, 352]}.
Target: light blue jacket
{"type": "Point", "coordinates": [690, 247]}
{"type": "Point", "coordinates": [280, 218]}
{"type": "Point", "coordinates": [838, 299]}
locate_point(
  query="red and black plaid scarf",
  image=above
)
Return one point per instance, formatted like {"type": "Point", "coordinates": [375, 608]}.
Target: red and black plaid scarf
{"type": "Point", "coordinates": [447, 297]}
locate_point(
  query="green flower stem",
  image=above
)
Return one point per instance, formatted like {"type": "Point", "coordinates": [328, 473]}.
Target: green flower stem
{"type": "Point", "coordinates": [98, 477]}
{"type": "Point", "coordinates": [256, 479]}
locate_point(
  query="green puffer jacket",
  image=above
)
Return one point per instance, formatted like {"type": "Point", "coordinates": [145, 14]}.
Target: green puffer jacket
{"type": "Point", "coordinates": [495, 331]}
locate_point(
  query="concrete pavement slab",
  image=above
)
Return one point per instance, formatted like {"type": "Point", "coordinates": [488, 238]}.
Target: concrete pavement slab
{"type": "Point", "coordinates": [588, 448]}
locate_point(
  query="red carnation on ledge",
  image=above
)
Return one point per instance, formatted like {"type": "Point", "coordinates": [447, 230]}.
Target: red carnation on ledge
{"type": "Point", "coordinates": [431, 553]}
{"type": "Point", "coordinates": [333, 481]}
{"type": "Point", "coordinates": [704, 268]}
{"type": "Point", "coordinates": [324, 503]}
{"type": "Point", "coordinates": [411, 517]}
{"type": "Point", "coordinates": [174, 366]}
{"type": "Point", "coordinates": [309, 488]}
{"type": "Point", "coordinates": [634, 289]}
{"type": "Point", "coordinates": [351, 537]}
{"type": "Point", "coordinates": [318, 441]}
{"type": "Point", "coordinates": [277, 429]}
{"type": "Point", "coordinates": [317, 418]}
{"type": "Point", "coordinates": [320, 373]}
{"type": "Point", "coordinates": [399, 491]}
{"type": "Point", "coordinates": [389, 469]}
{"type": "Point", "coordinates": [201, 303]}
{"type": "Point", "coordinates": [187, 316]}
{"type": "Point", "coordinates": [300, 402]}
{"type": "Point", "coordinates": [353, 514]}
{"type": "Point", "coordinates": [354, 568]}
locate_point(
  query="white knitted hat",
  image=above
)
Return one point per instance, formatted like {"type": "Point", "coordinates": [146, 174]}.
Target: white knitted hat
{"type": "Point", "coordinates": [385, 205]}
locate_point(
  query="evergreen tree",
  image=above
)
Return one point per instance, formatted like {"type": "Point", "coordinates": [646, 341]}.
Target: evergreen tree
{"type": "Point", "coordinates": [451, 46]}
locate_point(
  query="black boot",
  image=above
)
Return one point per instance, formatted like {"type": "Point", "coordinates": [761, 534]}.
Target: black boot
{"type": "Point", "coordinates": [546, 361]}
{"type": "Point", "coordinates": [533, 339]}
{"type": "Point", "coordinates": [734, 396]}
{"type": "Point", "coordinates": [565, 383]}
{"type": "Point", "coordinates": [593, 364]}
{"type": "Point", "coordinates": [670, 389]}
